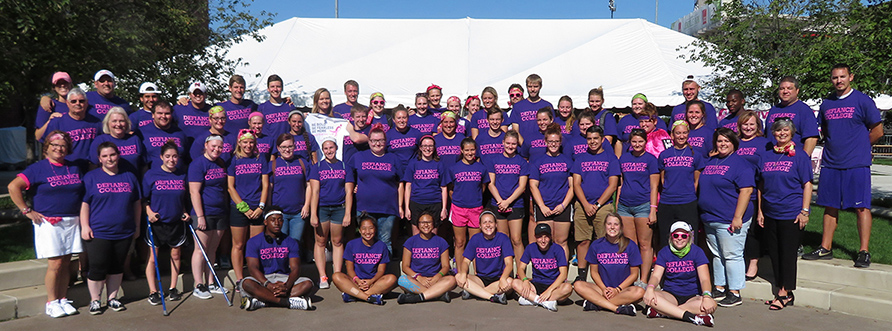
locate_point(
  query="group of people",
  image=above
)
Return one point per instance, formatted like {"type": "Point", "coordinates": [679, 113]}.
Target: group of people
{"type": "Point", "coordinates": [635, 193]}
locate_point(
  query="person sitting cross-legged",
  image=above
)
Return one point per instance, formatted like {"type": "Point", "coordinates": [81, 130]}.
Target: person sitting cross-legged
{"type": "Point", "coordinates": [367, 260]}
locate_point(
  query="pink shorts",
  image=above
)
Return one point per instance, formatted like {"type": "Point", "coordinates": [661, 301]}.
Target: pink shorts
{"type": "Point", "coordinates": [469, 217]}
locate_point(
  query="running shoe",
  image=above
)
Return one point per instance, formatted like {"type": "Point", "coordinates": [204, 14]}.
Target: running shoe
{"type": "Point", "coordinates": [445, 298]}
{"type": "Point", "coordinates": [652, 313]}
{"type": "Point", "coordinates": [252, 304]}
{"type": "Point", "coordinates": [155, 298]}
{"type": "Point", "coordinates": [589, 306]}
{"type": "Point", "coordinates": [718, 294]}
{"type": "Point", "coordinates": [174, 294]}
{"type": "Point", "coordinates": [499, 298]}
{"type": "Point", "coordinates": [95, 307]}
{"type": "Point", "coordinates": [573, 260]}
{"type": "Point", "coordinates": [626, 310]}
{"type": "Point", "coordinates": [408, 298]}
{"type": "Point", "coordinates": [863, 260]}
{"type": "Point", "coordinates": [465, 295]}
{"type": "Point", "coordinates": [54, 309]}
{"type": "Point", "coordinates": [550, 305]}
{"type": "Point", "coordinates": [377, 299]}
{"type": "Point", "coordinates": [704, 320]}
{"type": "Point", "coordinates": [216, 289]}
{"type": "Point", "coordinates": [819, 254]}
{"type": "Point", "coordinates": [301, 303]}
{"type": "Point", "coordinates": [67, 307]}
{"type": "Point", "coordinates": [525, 302]}
{"type": "Point", "coordinates": [116, 305]}
{"type": "Point", "coordinates": [347, 298]}
{"type": "Point", "coordinates": [201, 292]}
{"type": "Point", "coordinates": [323, 283]}
{"type": "Point", "coordinates": [731, 300]}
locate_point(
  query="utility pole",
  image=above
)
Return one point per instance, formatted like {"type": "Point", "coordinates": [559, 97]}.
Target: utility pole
{"type": "Point", "coordinates": [657, 13]}
{"type": "Point", "coordinates": [612, 5]}
{"type": "Point", "coordinates": [336, 8]}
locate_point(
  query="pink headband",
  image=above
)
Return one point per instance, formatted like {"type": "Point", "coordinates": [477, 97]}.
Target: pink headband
{"type": "Point", "coordinates": [434, 86]}
{"type": "Point", "coordinates": [453, 98]}
{"type": "Point", "coordinates": [56, 137]}
{"type": "Point", "coordinates": [473, 97]}
{"type": "Point", "coordinates": [256, 113]}
{"type": "Point", "coordinates": [246, 134]}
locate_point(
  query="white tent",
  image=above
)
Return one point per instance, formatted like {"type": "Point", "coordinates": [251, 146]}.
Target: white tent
{"type": "Point", "coordinates": [402, 57]}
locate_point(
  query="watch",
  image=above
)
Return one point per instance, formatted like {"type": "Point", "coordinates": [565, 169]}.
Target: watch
{"type": "Point", "coordinates": [26, 210]}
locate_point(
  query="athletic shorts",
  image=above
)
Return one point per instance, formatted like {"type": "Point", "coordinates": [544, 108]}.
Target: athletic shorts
{"type": "Point", "coordinates": [639, 211]}
{"type": "Point", "coordinates": [239, 220]}
{"type": "Point", "coordinates": [488, 280]}
{"type": "Point", "coordinates": [419, 208]}
{"type": "Point", "coordinates": [844, 188]}
{"type": "Point", "coordinates": [212, 222]}
{"type": "Point", "coordinates": [681, 299]}
{"type": "Point", "coordinates": [540, 287]}
{"type": "Point", "coordinates": [62, 238]}
{"type": "Point", "coordinates": [171, 234]}
{"type": "Point", "coordinates": [585, 226]}
{"type": "Point", "coordinates": [564, 216]}
{"type": "Point", "coordinates": [469, 217]}
{"type": "Point", "coordinates": [516, 213]}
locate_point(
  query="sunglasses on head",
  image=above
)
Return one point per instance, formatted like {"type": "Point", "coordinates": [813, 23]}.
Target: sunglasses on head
{"type": "Point", "coordinates": [680, 235]}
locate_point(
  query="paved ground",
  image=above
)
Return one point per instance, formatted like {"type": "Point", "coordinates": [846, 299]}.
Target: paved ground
{"type": "Point", "coordinates": [881, 181]}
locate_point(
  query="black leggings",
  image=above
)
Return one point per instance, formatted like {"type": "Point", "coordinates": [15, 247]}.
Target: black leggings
{"type": "Point", "coordinates": [781, 239]}
{"type": "Point", "coordinates": [668, 214]}
{"type": "Point", "coordinates": [106, 257]}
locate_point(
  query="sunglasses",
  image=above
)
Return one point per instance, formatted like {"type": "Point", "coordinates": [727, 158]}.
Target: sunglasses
{"type": "Point", "coordinates": [378, 103]}
{"type": "Point", "coordinates": [680, 236]}
{"type": "Point", "coordinates": [516, 95]}
{"type": "Point", "coordinates": [78, 101]}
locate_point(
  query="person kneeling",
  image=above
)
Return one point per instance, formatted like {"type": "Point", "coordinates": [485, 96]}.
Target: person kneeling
{"type": "Point", "coordinates": [493, 258]}
{"type": "Point", "coordinates": [547, 286]}
{"type": "Point", "coordinates": [684, 264]}
{"type": "Point", "coordinates": [367, 260]}
{"type": "Point", "coordinates": [274, 268]}
{"type": "Point", "coordinates": [425, 265]}
{"type": "Point", "coordinates": [614, 261]}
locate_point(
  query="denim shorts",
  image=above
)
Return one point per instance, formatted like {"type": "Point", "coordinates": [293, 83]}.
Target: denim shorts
{"type": "Point", "coordinates": [639, 211]}
{"type": "Point", "coordinates": [335, 214]}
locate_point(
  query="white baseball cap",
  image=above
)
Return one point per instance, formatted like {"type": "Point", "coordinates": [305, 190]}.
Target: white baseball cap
{"type": "Point", "coordinates": [197, 86]}
{"type": "Point", "coordinates": [104, 72]}
{"type": "Point", "coordinates": [148, 87]}
{"type": "Point", "coordinates": [680, 225]}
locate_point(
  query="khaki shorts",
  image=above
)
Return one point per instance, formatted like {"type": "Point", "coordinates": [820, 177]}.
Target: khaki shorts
{"type": "Point", "coordinates": [584, 226]}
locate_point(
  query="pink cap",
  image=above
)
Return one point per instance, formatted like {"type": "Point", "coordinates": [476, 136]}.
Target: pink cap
{"type": "Point", "coordinates": [61, 75]}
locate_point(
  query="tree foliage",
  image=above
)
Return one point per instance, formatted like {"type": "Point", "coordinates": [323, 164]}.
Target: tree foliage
{"type": "Point", "coordinates": [761, 41]}
{"type": "Point", "coordinates": [168, 42]}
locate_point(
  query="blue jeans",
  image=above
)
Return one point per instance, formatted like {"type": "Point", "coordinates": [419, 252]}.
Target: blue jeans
{"type": "Point", "coordinates": [335, 214]}
{"type": "Point", "coordinates": [385, 228]}
{"type": "Point", "coordinates": [294, 226]}
{"type": "Point", "coordinates": [728, 266]}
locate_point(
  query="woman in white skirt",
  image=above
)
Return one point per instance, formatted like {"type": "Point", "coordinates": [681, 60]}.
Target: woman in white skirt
{"type": "Point", "coordinates": [54, 185]}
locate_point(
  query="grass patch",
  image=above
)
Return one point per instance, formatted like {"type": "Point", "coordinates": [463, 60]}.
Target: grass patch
{"type": "Point", "coordinates": [17, 240]}
{"type": "Point", "coordinates": [846, 241]}
{"type": "Point", "coordinates": [882, 161]}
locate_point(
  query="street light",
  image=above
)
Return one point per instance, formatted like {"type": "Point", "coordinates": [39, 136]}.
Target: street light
{"type": "Point", "coordinates": [612, 5]}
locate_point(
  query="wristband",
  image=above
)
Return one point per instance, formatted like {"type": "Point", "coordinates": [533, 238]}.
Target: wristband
{"type": "Point", "coordinates": [619, 288]}
{"type": "Point", "coordinates": [525, 279]}
{"type": "Point", "coordinates": [243, 207]}
{"type": "Point", "coordinates": [26, 210]}
{"type": "Point", "coordinates": [651, 285]}
{"type": "Point", "coordinates": [441, 274]}
{"type": "Point", "coordinates": [653, 206]}
{"type": "Point", "coordinates": [598, 204]}
{"type": "Point", "coordinates": [415, 277]}
{"type": "Point", "coordinates": [266, 283]}
{"type": "Point", "coordinates": [707, 294]}
{"type": "Point", "coordinates": [355, 278]}
{"type": "Point", "coordinates": [261, 205]}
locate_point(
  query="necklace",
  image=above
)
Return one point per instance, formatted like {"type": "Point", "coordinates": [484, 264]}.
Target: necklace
{"type": "Point", "coordinates": [722, 160]}
{"type": "Point", "coordinates": [53, 168]}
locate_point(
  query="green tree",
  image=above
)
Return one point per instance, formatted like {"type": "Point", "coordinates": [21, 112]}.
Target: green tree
{"type": "Point", "coordinates": [760, 41]}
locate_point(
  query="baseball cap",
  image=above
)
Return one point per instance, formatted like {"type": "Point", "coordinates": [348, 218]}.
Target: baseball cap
{"type": "Point", "coordinates": [542, 228]}
{"type": "Point", "coordinates": [104, 72]}
{"type": "Point", "coordinates": [680, 225]}
{"type": "Point", "coordinates": [147, 87]}
{"type": "Point", "coordinates": [61, 75]}
{"type": "Point", "coordinates": [197, 86]}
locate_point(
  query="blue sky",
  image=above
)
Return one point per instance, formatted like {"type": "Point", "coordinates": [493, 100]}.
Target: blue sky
{"type": "Point", "coordinates": [670, 10]}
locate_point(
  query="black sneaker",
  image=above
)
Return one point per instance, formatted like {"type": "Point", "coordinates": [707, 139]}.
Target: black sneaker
{"type": "Point", "coordinates": [863, 260]}
{"type": "Point", "coordinates": [445, 298]}
{"type": "Point", "coordinates": [626, 310]}
{"type": "Point", "coordinates": [116, 305]}
{"type": "Point", "coordinates": [95, 307]}
{"type": "Point", "coordinates": [718, 294]}
{"type": "Point", "coordinates": [589, 306]}
{"type": "Point", "coordinates": [408, 298]}
{"type": "Point", "coordinates": [155, 298]}
{"type": "Point", "coordinates": [819, 254]}
{"type": "Point", "coordinates": [731, 300]}
{"type": "Point", "coordinates": [174, 295]}
{"type": "Point", "coordinates": [465, 295]}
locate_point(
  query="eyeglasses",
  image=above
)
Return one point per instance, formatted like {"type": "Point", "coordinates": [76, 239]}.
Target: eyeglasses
{"type": "Point", "coordinates": [78, 101]}
{"type": "Point", "coordinates": [378, 103]}
{"type": "Point", "coordinates": [427, 146]}
{"type": "Point", "coordinates": [378, 140]}
{"type": "Point", "coordinates": [58, 145]}
{"type": "Point", "coordinates": [217, 119]}
{"type": "Point", "coordinates": [286, 147]}
{"type": "Point", "coordinates": [516, 95]}
{"type": "Point", "coordinates": [552, 141]}
{"type": "Point", "coordinates": [680, 236]}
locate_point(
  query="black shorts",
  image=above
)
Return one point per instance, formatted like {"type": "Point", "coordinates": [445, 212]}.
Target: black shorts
{"type": "Point", "coordinates": [212, 222]}
{"type": "Point", "coordinates": [562, 217]}
{"type": "Point", "coordinates": [238, 219]}
{"type": "Point", "coordinates": [106, 256]}
{"type": "Point", "coordinates": [681, 299]}
{"type": "Point", "coordinates": [540, 287]}
{"type": "Point", "coordinates": [418, 208]}
{"type": "Point", "coordinates": [171, 234]}
{"type": "Point", "coordinates": [516, 213]}
{"type": "Point", "coordinates": [488, 280]}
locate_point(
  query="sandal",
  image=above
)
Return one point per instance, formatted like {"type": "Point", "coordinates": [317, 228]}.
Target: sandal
{"type": "Point", "coordinates": [783, 304]}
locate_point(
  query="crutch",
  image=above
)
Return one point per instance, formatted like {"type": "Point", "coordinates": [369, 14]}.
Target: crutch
{"type": "Point", "coordinates": [210, 265]}
{"type": "Point", "coordinates": [157, 272]}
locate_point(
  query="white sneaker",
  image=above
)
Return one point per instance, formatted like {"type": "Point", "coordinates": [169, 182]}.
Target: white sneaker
{"type": "Point", "coordinates": [54, 310]}
{"type": "Point", "coordinates": [214, 288]}
{"type": "Point", "coordinates": [550, 305]}
{"type": "Point", "coordinates": [302, 303]}
{"type": "Point", "coordinates": [324, 283]}
{"type": "Point", "coordinates": [251, 304]}
{"type": "Point", "coordinates": [525, 302]}
{"type": "Point", "coordinates": [67, 307]}
{"type": "Point", "coordinates": [201, 291]}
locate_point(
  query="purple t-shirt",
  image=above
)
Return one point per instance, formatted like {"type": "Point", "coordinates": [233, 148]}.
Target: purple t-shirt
{"type": "Point", "coordinates": [463, 126]}
{"type": "Point", "coordinates": [596, 170]}
{"type": "Point", "coordinates": [720, 184]}
{"type": "Point", "coordinates": [628, 122]}
{"type": "Point", "coordinates": [449, 150]}
{"type": "Point", "coordinates": [552, 173]}
{"type": "Point", "coordinates": [678, 114]}
{"type": "Point", "coordinates": [802, 116]}
{"type": "Point", "coordinates": [289, 182]}
{"type": "Point", "coordinates": [467, 180]}
{"type": "Point", "coordinates": [524, 115]}
{"type": "Point", "coordinates": [751, 149]}
{"type": "Point", "coordinates": [111, 200]}
{"type": "Point", "coordinates": [166, 192]}
{"type": "Point", "coordinates": [350, 148]}
{"type": "Point", "coordinates": [508, 172]}
{"type": "Point", "coordinates": [130, 151]}
{"type": "Point", "coordinates": [402, 144]}
{"type": "Point", "coordinates": [730, 121]}
{"type": "Point", "coordinates": [678, 166]}
{"type": "Point", "coordinates": [574, 145]}
{"type": "Point", "coordinates": [43, 115]}
{"type": "Point", "coordinates": [214, 186]}
{"type": "Point", "coordinates": [332, 178]}
{"type": "Point", "coordinates": [275, 118]}
{"type": "Point", "coordinates": [680, 277]}
{"type": "Point", "coordinates": [100, 104]}
{"type": "Point", "coordinates": [153, 138]}
{"type": "Point", "coordinates": [489, 255]}
{"type": "Point", "coordinates": [479, 120]}
{"type": "Point", "coordinates": [384, 120]}
{"type": "Point", "coordinates": [546, 265]}
{"type": "Point", "coordinates": [846, 123]}
{"type": "Point", "coordinates": [426, 124]}
{"type": "Point", "coordinates": [366, 258]}
{"type": "Point", "coordinates": [196, 151]}
{"type": "Point", "coordinates": [303, 146]}
{"type": "Point", "coordinates": [265, 143]}
{"type": "Point", "coordinates": [426, 177]}
{"type": "Point", "coordinates": [274, 257]}
{"type": "Point", "coordinates": [426, 254]}
{"type": "Point", "coordinates": [55, 189]}
{"type": "Point", "coordinates": [533, 146]}
{"type": "Point", "coordinates": [82, 133]}
{"type": "Point", "coordinates": [237, 114]}
{"type": "Point", "coordinates": [783, 177]}
{"type": "Point", "coordinates": [377, 181]}
{"type": "Point", "coordinates": [609, 124]}
{"type": "Point", "coordinates": [192, 121]}
{"type": "Point", "coordinates": [248, 172]}
{"type": "Point", "coordinates": [342, 110]}
{"type": "Point", "coordinates": [701, 140]}
{"type": "Point", "coordinates": [636, 177]}
{"type": "Point", "coordinates": [489, 147]}
{"type": "Point", "coordinates": [141, 118]}
{"type": "Point", "coordinates": [613, 267]}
